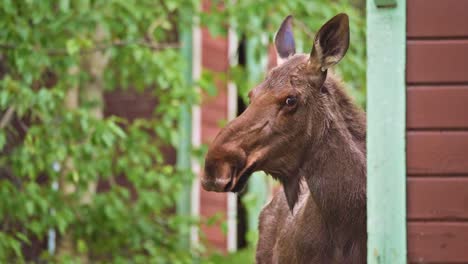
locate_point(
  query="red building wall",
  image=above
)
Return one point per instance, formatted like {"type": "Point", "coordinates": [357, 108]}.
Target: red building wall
{"type": "Point", "coordinates": [437, 131]}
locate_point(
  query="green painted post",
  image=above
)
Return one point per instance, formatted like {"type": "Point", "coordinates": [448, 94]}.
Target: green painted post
{"type": "Point", "coordinates": [185, 121]}
{"type": "Point", "coordinates": [386, 157]}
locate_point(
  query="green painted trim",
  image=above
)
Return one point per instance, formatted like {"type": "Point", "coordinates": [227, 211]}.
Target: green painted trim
{"type": "Point", "coordinates": [185, 123]}
{"type": "Point", "coordinates": [386, 156]}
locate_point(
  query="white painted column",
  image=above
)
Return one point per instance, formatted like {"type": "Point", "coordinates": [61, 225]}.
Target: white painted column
{"type": "Point", "coordinates": [196, 131]}
{"type": "Point", "coordinates": [232, 113]}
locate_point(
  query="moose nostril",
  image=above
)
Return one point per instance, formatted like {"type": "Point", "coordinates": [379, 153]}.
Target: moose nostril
{"type": "Point", "coordinates": [208, 185]}
{"type": "Point", "coordinates": [217, 185]}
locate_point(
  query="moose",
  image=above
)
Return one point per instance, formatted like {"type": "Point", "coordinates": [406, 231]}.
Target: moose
{"type": "Point", "coordinates": [305, 131]}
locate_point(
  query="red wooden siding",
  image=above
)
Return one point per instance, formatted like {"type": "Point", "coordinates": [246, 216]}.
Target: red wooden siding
{"type": "Point", "coordinates": [437, 152]}
{"type": "Point", "coordinates": [437, 61]}
{"type": "Point", "coordinates": [437, 137]}
{"type": "Point", "coordinates": [437, 106]}
{"type": "Point", "coordinates": [437, 242]}
{"type": "Point", "coordinates": [437, 18]}
{"type": "Point", "coordinates": [439, 197]}
{"type": "Point", "coordinates": [213, 110]}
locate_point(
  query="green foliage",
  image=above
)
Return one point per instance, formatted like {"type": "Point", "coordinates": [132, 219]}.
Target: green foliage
{"type": "Point", "coordinates": [45, 140]}
{"type": "Point", "coordinates": [259, 20]}
{"type": "Point", "coordinates": [246, 256]}
{"type": "Point", "coordinates": [49, 141]}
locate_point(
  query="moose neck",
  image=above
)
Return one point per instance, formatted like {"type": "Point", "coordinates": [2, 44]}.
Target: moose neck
{"type": "Point", "coordinates": [336, 169]}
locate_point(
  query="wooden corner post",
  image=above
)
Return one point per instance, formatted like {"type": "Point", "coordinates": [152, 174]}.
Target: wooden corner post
{"type": "Point", "coordinates": [386, 158]}
{"type": "Point", "coordinates": [185, 120]}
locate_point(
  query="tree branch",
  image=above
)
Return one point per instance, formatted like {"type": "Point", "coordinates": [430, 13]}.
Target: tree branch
{"type": "Point", "coordinates": [7, 117]}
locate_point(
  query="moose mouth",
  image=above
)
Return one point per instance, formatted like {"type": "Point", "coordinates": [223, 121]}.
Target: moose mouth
{"type": "Point", "coordinates": [238, 183]}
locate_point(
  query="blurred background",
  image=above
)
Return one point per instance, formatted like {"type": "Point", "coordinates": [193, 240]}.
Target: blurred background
{"type": "Point", "coordinates": [106, 109]}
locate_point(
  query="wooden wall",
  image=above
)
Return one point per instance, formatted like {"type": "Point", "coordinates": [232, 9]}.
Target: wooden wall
{"type": "Point", "coordinates": [437, 131]}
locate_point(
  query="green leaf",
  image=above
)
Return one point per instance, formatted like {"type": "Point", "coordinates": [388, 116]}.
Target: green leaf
{"type": "Point", "coordinates": [73, 46]}
{"type": "Point", "coordinates": [81, 246]}
{"type": "Point", "coordinates": [117, 130]}
{"type": "Point", "coordinates": [64, 5]}
{"type": "Point", "coordinates": [2, 139]}
{"type": "Point", "coordinates": [23, 238]}
{"type": "Point", "coordinates": [29, 207]}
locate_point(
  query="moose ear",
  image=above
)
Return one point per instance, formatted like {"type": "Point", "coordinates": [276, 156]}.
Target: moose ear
{"type": "Point", "coordinates": [331, 42]}
{"type": "Point", "coordinates": [284, 41]}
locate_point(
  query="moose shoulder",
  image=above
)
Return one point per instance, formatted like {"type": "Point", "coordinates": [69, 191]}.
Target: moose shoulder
{"type": "Point", "coordinates": [304, 130]}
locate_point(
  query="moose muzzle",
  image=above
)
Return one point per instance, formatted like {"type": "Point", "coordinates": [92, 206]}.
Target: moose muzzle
{"type": "Point", "coordinates": [223, 165]}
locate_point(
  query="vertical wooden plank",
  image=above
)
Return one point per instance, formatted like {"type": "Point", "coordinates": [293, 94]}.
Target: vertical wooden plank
{"type": "Point", "coordinates": [233, 43]}
{"type": "Point", "coordinates": [386, 172]}
{"type": "Point", "coordinates": [196, 132]}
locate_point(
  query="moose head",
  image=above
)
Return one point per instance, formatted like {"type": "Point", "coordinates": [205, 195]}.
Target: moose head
{"type": "Point", "coordinates": [287, 116]}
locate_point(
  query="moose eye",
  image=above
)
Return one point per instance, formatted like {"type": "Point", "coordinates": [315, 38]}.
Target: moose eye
{"type": "Point", "coordinates": [291, 101]}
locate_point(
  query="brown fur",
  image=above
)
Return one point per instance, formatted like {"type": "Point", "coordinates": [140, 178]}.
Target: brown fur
{"type": "Point", "coordinates": [328, 223]}
{"type": "Point", "coordinates": [315, 148]}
